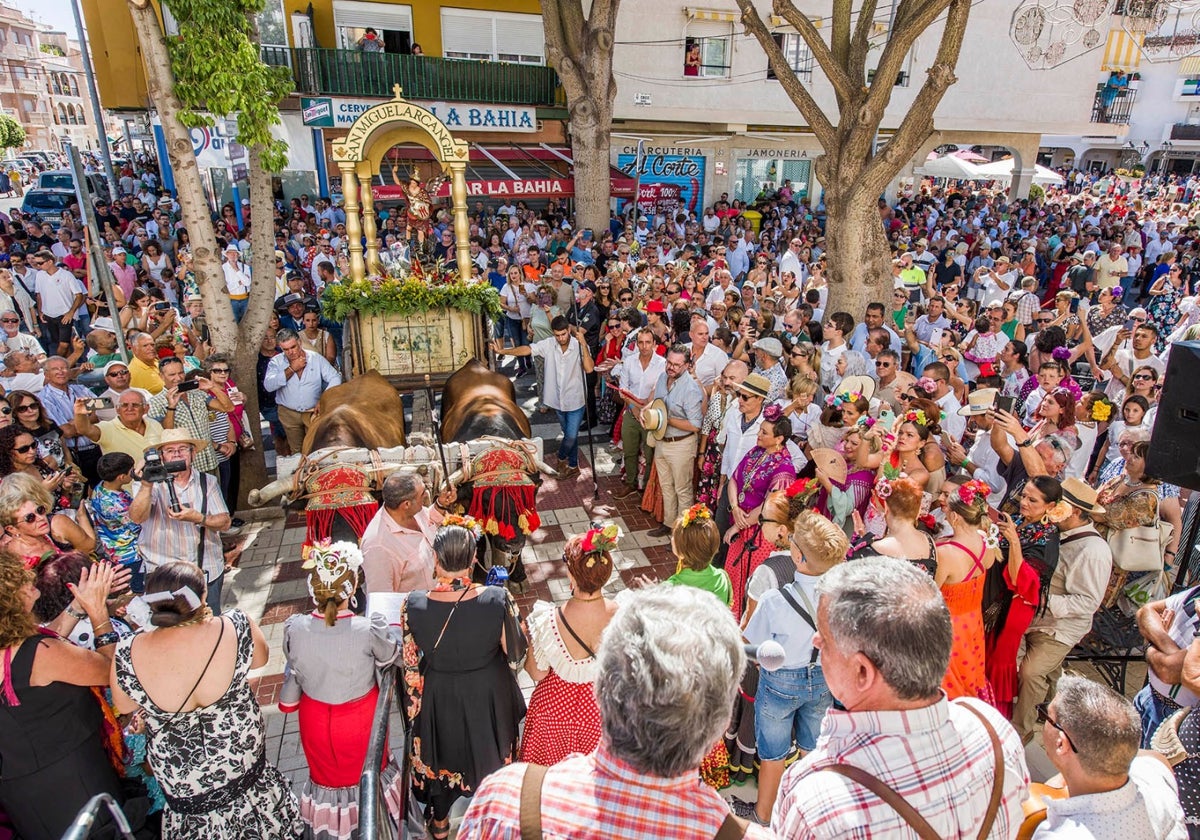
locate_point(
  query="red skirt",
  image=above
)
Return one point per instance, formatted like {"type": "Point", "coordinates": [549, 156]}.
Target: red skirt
{"type": "Point", "coordinates": [562, 719]}
{"type": "Point", "coordinates": [335, 738]}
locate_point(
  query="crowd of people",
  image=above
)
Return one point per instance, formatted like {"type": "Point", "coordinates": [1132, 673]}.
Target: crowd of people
{"type": "Point", "coordinates": [923, 504]}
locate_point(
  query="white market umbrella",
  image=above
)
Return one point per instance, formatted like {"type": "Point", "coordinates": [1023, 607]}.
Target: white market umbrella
{"type": "Point", "coordinates": [949, 166]}
{"type": "Point", "coordinates": [1001, 170]}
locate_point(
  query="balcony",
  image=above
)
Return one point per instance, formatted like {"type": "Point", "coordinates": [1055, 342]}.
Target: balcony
{"type": "Point", "coordinates": [353, 73]}
{"type": "Point", "coordinates": [1185, 131]}
{"type": "Point", "coordinates": [38, 118]}
{"type": "Point", "coordinates": [1113, 106]}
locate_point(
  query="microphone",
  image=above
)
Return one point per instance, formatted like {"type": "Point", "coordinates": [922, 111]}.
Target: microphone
{"type": "Point", "coordinates": [769, 655]}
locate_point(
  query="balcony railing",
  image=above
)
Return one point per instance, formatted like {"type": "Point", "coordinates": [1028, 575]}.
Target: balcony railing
{"type": "Point", "coordinates": [1185, 131]}
{"type": "Point", "coordinates": [354, 73]}
{"type": "Point", "coordinates": [1113, 106]}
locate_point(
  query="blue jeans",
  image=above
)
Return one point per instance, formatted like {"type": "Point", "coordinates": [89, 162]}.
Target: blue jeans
{"type": "Point", "coordinates": [570, 421]}
{"type": "Point", "coordinates": [1153, 711]}
{"type": "Point", "coordinates": [239, 308]}
{"type": "Point", "coordinates": [789, 706]}
{"type": "Point", "coordinates": [214, 594]}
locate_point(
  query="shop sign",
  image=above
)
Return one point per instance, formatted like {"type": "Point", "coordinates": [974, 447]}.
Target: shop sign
{"type": "Point", "coordinates": [339, 112]}
{"type": "Point", "coordinates": [668, 182]}
{"type": "Point", "coordinates": [787, 154]}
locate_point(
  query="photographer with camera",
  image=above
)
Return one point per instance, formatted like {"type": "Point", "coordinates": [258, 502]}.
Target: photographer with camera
{"type": "Point", "coordinates": [187, 406]}
{"type": "Point", "coordinates": [131, 431]}
{"type": "Point", "coordinates": [181, 510]}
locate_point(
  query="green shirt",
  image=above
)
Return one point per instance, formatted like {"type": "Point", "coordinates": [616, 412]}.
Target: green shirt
{"type": "Point", "coordinates": [709, 579]}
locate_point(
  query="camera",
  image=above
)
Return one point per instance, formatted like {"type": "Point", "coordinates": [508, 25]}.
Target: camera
{"type": "Point", "coordinates": [158, 471]}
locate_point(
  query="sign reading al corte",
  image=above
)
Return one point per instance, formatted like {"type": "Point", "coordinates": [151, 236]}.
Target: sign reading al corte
{"type": "Point", "coordinates": [339, 112]}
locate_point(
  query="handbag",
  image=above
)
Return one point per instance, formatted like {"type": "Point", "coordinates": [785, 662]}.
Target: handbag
{"type": "Point", "coordinates": [1142, 547]}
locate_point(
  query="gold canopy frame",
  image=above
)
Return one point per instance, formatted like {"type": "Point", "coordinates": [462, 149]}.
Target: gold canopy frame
{"type": "Point", "coordinates": [360, 155]}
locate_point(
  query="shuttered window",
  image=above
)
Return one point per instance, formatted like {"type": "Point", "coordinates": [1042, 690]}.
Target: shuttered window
{"type": "Point", "coordinates": [352, 17]}
{"type": "Point", "coordinates": [491, 36]}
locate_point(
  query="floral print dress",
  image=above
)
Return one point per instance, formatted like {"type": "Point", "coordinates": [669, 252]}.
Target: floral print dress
{"type": "Point", "coordinates": [211, 763]}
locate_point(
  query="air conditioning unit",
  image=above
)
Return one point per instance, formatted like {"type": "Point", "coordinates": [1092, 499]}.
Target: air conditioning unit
{"type": "Point", "coordinates": [641, 99]}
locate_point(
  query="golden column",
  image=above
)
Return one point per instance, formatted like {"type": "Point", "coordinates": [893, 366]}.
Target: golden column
{"type": "Point", "coordinates": [358, 269]}
{"type": "Point", "coordinates": [368, 217]}
{"type": "Point", "coordinates": [462, 224]}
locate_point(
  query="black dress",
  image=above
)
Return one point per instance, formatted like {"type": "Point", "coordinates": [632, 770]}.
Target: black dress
{"type": "Point", "coordinates": [52, 757]}
{"type": "Point", "coordinates": [468, 708]}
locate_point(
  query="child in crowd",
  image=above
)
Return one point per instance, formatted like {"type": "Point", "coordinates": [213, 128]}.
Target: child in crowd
{"type": "Point", "coordinates": [695, 540]}
{"type": "Point", "coordinates": [1133, 416]}
{"type": "Point", "coordinates": [1049, 376]}
{"type": "Point", "coordinates": [108, 509]}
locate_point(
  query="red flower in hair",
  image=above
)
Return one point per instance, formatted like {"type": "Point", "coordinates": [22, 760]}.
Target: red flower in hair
{"type": "Point", "coordinates": [928, 521]}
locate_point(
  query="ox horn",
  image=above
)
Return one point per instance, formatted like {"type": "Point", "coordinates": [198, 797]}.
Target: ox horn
{"type": "Point", "coordinates": [269, 493]}
{"type": "Point", "coordinates": [455, 478]}
{"type": "Point", "coordinates": [546, 468]}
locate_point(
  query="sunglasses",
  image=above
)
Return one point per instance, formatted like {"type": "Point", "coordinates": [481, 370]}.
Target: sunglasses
{"type": "Point", "coordinates": [30, 518]}
{"type": "Point", "coordinates": [1043, 716]}
{"type": "Point", "coordinates": [9, 321]}
{"type": "Point", "coordinates": [219, 370]}
{"type": "Point", "coordinates": [26, 407]}
{"type": "Point", "coordinates": [1142, 377]}
{"type": "Point", "coordinates": [117, 373]}
{"type": "Point", "coordinates": [23, 449]}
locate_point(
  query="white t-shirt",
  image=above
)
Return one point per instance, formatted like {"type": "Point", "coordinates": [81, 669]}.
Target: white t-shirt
{"type": "Point", "coordinates": [57, 292]}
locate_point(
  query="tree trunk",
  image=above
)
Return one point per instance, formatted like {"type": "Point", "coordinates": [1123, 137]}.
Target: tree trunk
{"type": "Point", "coordinates": [254, 323]}
{"type": "Point", "coordinates": [206, 259]}
{"type": "Point", "coordinates": [858, 266]}
{"type": "Point", "coordinates": [590, 150]}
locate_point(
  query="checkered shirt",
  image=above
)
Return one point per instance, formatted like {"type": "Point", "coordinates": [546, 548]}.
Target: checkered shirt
{"type": "Point", "coordinates": [598, 795]}
{"type": "Point", "coordinates": [938, 758]}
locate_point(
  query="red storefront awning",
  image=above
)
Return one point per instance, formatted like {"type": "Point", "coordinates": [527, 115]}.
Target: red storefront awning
{"type": "Point", "coordinates": [535, 165]}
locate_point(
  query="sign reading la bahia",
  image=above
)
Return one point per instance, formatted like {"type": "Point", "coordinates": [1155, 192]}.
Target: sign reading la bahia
{"type": "Point", "coordinates": [337, 112]}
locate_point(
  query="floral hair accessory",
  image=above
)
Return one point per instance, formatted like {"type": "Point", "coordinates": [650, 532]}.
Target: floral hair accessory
{"type": "Point", "coordinates": [1118, 292]}
{"type": "Point", "coordinates": [597, 541]}
{"type": "Point", "coordinates": [1102, 408]}
{"type": "Point", "coordinates": [974, 489]}
{"type": "Point", "coordinates": [836, 400]}
{"type": "Point", "coordinates": [695, 512]}
{"type": "Point", "coordinates": [772, 413]}
{"type": "Point", "coordinates": [1061, 354]}
{"type": "Point", "coordinates": [883, 488]}
{"type": "Point", "coordinates": [468, 522]}
{"type": "Point", "coordinates": [802, 488]}
{"type": "Point", "coordinates": [917, 417]}
{"type": "Point", "coordinates": [928, 521]}
{"type": "Point", "coordinates": [1058, 511]}
{"type": "Point", "coordinates": [1072, 387]}
{"type": "Point", "coordinates": [866, 421]}
{"type": "Point", "coordinates": [991, 537]}
{"type": "Point", "coordinates": [331, 560]}
{"type": "Point", "coordinates": [927, 384]}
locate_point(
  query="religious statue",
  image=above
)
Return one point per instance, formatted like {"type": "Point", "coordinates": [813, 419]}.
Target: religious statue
{"type": "Point", "coordinates": [419, 212]}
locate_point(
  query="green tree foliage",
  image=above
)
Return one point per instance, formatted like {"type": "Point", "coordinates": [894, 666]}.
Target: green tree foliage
{"type": "Point", "coordinates": [12, 135]}
{"type": "Point", "coordinates": [218, 70]}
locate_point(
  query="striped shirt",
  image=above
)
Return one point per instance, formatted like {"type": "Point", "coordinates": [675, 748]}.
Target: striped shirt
{"type": "Point", "coordinates": [598, 795]}
{"type": "Point", "coordinates": [165, 539]}
{"type": "Point", "coordinates": [938, 758]}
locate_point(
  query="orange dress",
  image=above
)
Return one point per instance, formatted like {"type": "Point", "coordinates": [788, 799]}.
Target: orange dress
{"type": "Point", "coordinates": [966, 675]}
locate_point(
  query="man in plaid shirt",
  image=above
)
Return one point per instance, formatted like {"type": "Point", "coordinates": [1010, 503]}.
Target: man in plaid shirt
{"type": "Point", "coordinates": [669, 669]}
{"type": "Point", "coordinates": [885, 636]}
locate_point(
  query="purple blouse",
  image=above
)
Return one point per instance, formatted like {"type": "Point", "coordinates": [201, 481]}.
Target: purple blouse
{"type": "Point", "coordinates": [759, 473]}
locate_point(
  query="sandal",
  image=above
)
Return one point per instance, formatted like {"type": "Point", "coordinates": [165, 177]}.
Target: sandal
{"type": "Point", "coordinates": [439, 832]}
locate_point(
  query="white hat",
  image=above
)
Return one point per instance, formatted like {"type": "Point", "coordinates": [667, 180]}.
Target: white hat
{"type": "Point", "coordinates": [105, 324]}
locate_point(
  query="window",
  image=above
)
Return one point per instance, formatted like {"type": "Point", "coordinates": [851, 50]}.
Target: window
{"type": "Point", "coordinates": [707, 57]}
{"type": "Point", "coordinates": [492, 36]}
{"type": "Point", "coordinates": [392, 23]}
{"type": "Point", "coordinates": [901, 78]}
{"type": "Point", "coordinates": [272, 25]}
{"type": "Point", "coordinates": [798, 56]}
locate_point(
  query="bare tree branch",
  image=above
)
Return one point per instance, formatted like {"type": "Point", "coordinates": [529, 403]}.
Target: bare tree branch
{"type": "Point", "coordinates": [825, 133]}
{"type": "Point", "coordinates": [856, 61]}
{"type": "Point", "coordinates": [917, 124]}
{"type": "Point", "coordinates": [839, 28]}
{"type": "Point", "coordinates": [834, 71]}
{"type": "Point", "coordinates": [900, 40]}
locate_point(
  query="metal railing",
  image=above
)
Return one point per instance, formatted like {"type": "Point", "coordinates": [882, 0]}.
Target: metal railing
{"type": "Point", "coordinates": [374, 821]}
{"type": "Point", "coordinates": [1113, 107]}
{"type": "Point", "coordinates": [82, 827]}
{"type": "Point", "coordinates": [1185, 131]}
{"type": "Point", "coordinates": [354, 73]}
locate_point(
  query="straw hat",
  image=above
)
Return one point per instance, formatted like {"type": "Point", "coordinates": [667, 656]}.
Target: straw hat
{"type": "Point", "coordinates": [170, 436]}
{"type": "Point", "coordinates": [654, 421]}
{"type": "Point", "coordinates": [979, 401]}
{"type": "Point", "coordinates": [1079, 494]}
{"type": "Point", "coordinates": [857, 384]}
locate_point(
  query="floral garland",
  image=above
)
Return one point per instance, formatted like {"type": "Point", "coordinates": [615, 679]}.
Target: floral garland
{"type": "Point", "coordinates": [463, 521]}
{"type": "Point", "coordinates": [694, 513]}
{"type": "Point", "coordinates": [408, 296]}
{"type": "Point", "coordinates": [837, 400]}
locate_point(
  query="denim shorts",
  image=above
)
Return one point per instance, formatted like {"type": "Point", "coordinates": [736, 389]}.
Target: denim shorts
{"type": "Point", "coordinates": [789, 706]}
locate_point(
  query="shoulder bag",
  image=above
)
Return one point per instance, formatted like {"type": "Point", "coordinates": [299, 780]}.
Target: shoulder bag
{"type": "Point", "coordinates": [1142, 547]}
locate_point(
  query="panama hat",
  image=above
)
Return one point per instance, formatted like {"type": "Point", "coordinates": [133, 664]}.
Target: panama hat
{"type": "Point", "coordinates": [170, 436]}
{"type": "Point", "coordinates": [1079, 494]}
{"type": "Point", "coordinates": [654, 421]}
{"type": "Point", "coordinates": [979, 401]}
{"type": "Point", "coordinates": [756, 385]}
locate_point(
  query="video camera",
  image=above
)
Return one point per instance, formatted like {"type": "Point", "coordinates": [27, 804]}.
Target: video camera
{"type": "Point", "coordinates": [158, 471]}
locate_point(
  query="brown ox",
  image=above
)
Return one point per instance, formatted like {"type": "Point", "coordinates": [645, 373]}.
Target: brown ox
{"type": "Point", "coordinates": [364, 412]}
{"type": "Point", "coordinates": [477, 403]}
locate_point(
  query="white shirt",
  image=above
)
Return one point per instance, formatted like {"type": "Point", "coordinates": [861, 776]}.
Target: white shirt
{"type": "Point", "coordinates": [237, 280]}
{"type": "Point", "coordinates": [57, 292]}
{"type": "Point", "coordinates": [1182, 631]}
{"type": "Point", "coordinates": [987, 462]}
{"type": "Point", "coordinates": [736, 442]}
{"type": "Point", "coordinates": [952, 424]}
{"type": "Point", "coordinates": [563, 386]}
{"type": "Point", "coordinates": [717, 294]}
{"type": "Point", "coordinates": [301, 391]}
{"type": "Point", "coordinates": [637, 380]}
{"type": "Point", "coordinates": [1145, 808]}
{"type": "Point", "coordinates": [709, 364]}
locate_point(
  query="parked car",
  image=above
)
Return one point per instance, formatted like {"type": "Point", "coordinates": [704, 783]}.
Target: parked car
{"type": "Point", "coordinates": [21, 165]}
{"type": "Point", "coordinates": [47, 205]}
{"type": "Point", "coordinates": [64, 179]}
